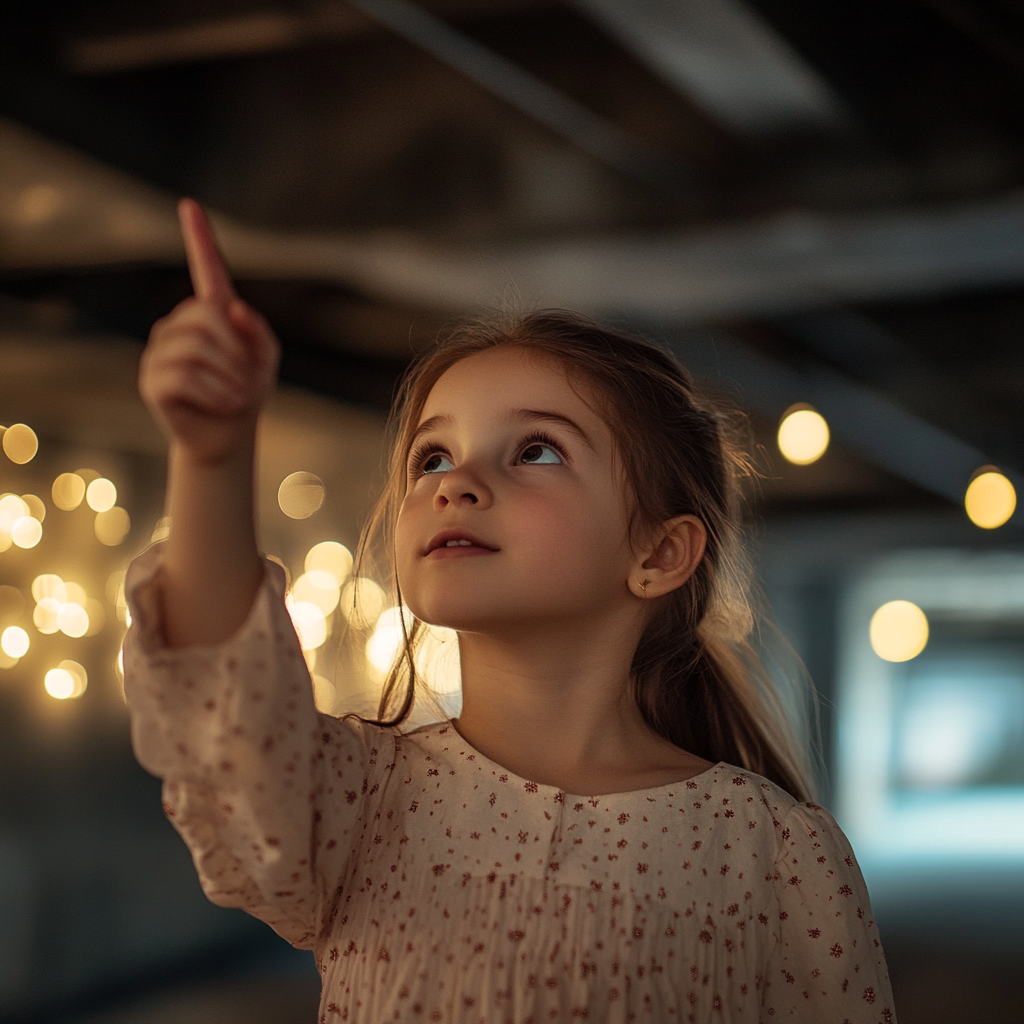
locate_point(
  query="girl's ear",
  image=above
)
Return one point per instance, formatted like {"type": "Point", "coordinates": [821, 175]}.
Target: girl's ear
{"type": "Point", "coordinates": [672, 559]}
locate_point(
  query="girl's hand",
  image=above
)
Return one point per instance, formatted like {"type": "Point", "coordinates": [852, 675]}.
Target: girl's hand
{"type": "Point", "coordinates": [211, 363]}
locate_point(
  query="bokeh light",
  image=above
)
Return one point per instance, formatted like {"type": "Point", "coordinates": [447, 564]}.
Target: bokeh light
{"type": "Point", "coordinates": [898, 631]}
{"type": "Point", "coordinates": [362, 601]}
{"type": "Point", "coordinates": [14, 642]}
{"type": "Point", "coordinates": [803, 435]}
{"type": "Point", "coordinates": [310, 623]}
{"type": "Point", "coordinates": [20, 443]}
{"type": "Point", "coordinates": [990, 499]}
{"type": "Point", "coordinates": [112, 526]}
{"type": "Point", "coordinates": [36, 508]}
{"type": "Point", "coordinates": [101, 495]}
{"type": "Point", "coordinates": [73, 620]}
{"type": "Point", "coordinates": [45, 617]}
{"type": "Point", "coordinates": [67, 681]}
{"type": "Point", "coordinates": [387, 638]}
{"type": "Point", "coordinates": [49, 585]}
{"type": "Point", "coordinates": [319, 588]}
{"type": "Point", "coordinates": [12, 508]}
{"type": "Point", "coordinates": [27, 532]}
{"type": "Point", "coordinates": [331, 557]}
{"type": "Point", "coordinates": [68, 491]}
{"type": "Point", "coordinates": [300, 495]}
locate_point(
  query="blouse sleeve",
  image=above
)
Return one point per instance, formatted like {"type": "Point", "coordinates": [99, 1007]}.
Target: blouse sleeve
{"type": "Point", "coordinates": [828, 964]}
{"type": "Point", "coordinates": [267, 793]}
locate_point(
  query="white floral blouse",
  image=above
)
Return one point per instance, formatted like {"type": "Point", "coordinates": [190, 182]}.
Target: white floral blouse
{"type": "Point", "coordinates": [434, 885]}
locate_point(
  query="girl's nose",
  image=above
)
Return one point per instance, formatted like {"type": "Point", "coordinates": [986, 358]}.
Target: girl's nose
{"type": "Point", "coordinates": [461, 486]}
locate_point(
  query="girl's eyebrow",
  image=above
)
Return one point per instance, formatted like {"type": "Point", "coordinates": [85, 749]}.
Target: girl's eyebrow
{"type": "Point", "coordinates": [514, 416]}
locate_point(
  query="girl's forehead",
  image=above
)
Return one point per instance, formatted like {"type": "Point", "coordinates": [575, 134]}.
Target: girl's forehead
{"type": "Point", "coordinates": [502, 377]}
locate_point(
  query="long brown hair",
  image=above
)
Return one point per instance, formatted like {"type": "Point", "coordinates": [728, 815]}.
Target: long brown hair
{"type": "Point", "coordinates": [696, 677]}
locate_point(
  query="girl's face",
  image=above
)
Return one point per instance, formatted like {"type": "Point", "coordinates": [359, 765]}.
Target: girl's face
{"type": "Point", "coordinates": [516, 506]}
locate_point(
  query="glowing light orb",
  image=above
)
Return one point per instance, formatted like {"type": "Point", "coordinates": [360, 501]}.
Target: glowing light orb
{"type": "Point", "coordinates": [990, 500]}
{"type": "Point", "coordinates": [68, 491]}
{"type": "Point", "coordinates": [362, 601]}
{"type": "Point", "coordinates": [49, 585]}
{"type": "Point", "coordinates": [317, 588]}
{"type": "Point", "coordinates": [36, 508]}
{"type": "Point", "coordinates": [12, 508]}
{"type": "Point", "coordinates": [300, 495]}
{"type": "Point", "coordinates": [310, 623]}
{"type": "Point", "coordinates": [803, 436]}
{"type": "Point", "coordinates": [20, 443]}
{"type": "Point", "coordinates": [27, 532]}
{"type": "Point", "coordinates": [898, 631]}
{"type": "Point", "coordinates": [67, 681]}
{"type": "Point", "coordinates": [46, 615]}
{"type": "Point", "coordinates": [14, 642]}
{"type": "Point", "coordinates": [331, 557]}
{"type": "Point", "coordinates": [112, 526]}
{"type": "Point", "coordinates": [73, 620]}
{"type": "Point", "coordinates": [101, 495]}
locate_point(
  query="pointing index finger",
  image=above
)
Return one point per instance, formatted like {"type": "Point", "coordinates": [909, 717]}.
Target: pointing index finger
{"type": "Point", "coordinates": [210, 278]}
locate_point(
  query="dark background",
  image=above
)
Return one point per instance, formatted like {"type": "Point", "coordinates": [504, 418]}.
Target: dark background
{"type": "Point", "coordinates": [809, 200]}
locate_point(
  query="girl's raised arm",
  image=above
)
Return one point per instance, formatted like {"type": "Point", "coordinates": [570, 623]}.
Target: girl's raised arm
{"type": "Point", "coordinates": [205, 374]}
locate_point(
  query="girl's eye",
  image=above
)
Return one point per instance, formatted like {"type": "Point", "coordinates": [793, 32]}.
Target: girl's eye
{"type": "Point", "coordinates": [436, 462]}
{"type": "Point", "coordinates": [540, 454]}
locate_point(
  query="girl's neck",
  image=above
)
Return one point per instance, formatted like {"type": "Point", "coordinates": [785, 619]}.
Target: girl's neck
{"type": "Point", "coordinates": [558, 710]}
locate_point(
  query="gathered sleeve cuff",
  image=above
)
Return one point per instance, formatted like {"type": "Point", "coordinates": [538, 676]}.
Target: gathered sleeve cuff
{"type": "Point", "coordinates": [828, 962]}
{"type": "Point", "coordinates": [267, 793]}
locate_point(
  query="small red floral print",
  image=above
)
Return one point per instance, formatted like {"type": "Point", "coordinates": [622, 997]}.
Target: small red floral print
{"type": "Point", "coordinates": [463, 866]}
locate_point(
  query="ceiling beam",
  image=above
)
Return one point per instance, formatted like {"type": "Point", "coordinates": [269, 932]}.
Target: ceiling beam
{"type": "Point", "coordinates": [600, 138]}
{"type": "Point", "coordinates": [242, 34]}
{"type": "Point", "coordinates": [726, 59]}
{"type": "Point", "coordinates": [60, 208]}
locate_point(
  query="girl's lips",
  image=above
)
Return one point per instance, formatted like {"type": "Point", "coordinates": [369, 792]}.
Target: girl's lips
{"type": "Point", "coordinates": [460, 551]}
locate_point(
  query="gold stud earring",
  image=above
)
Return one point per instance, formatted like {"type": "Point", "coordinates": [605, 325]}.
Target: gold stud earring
{"type": "Point", "coordinates": [643, 586]}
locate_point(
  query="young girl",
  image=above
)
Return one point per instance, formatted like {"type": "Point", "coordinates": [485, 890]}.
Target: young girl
{"type": "Point", "coordinates": [612, 829]}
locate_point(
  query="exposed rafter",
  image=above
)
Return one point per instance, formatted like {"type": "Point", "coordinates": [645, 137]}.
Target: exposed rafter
{"type": "Point", "coordinates": [725, 58]}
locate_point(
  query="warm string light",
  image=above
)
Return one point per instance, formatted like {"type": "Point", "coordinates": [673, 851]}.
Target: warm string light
{"type": "Point", "coordinates": [803, 435]}
{"type": "Point", "coordinates": [300, 495]}
{"type": "Point", "coordinates": [59, 606]}
{"type": "Point", "coordinates": [898, 631]}
{"type": "Point", "coordinates": [991, 498]}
